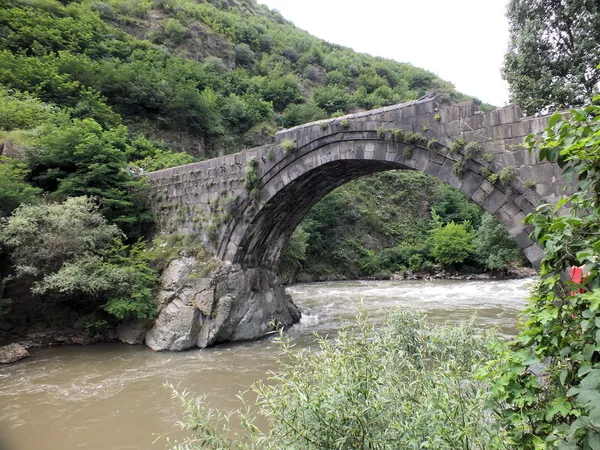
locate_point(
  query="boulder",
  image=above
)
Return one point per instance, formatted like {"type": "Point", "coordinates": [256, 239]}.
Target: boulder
{"type": "Point", "coordinates": [133, 333]}
{"type": "Point", "coordinates": [12, 353]}
{"type": "Point", "coordinates": [233, 304]}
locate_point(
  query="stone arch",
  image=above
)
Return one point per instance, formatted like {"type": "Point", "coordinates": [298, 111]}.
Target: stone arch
{"type": "Point", "coordinates": [300, 178]}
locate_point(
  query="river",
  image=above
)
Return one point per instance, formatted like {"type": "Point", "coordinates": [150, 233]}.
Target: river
{"type": "Point", "coordinates": [112, 396]}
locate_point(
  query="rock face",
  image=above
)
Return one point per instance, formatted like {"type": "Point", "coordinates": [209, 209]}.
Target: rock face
{"type": "Point", "coordinates": [12, 353]}
{"type": "Point", "coordinates": [133, 333]}
{"type": "Point", "coordinates": [233, 304]}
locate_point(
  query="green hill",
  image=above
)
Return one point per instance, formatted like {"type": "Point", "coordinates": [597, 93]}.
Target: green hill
{"type": "Point", "coordinates": [202, 77]}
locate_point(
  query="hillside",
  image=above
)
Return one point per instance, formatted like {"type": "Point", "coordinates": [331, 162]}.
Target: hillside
{"type": "Point", "coordinates": [201, 77]}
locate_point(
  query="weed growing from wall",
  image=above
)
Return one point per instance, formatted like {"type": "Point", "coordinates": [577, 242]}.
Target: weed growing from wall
{"type": "Point", "coordinates": [508, 175]}
{"type": "Point", "coordinates": [287, 145]}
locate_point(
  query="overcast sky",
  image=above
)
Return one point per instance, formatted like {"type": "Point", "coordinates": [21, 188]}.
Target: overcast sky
{"type": "Point", "coordinates": [462, 41]}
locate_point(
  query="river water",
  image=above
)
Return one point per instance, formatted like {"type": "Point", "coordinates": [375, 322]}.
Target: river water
{"type": "Point", "coordinates": [112, 396]}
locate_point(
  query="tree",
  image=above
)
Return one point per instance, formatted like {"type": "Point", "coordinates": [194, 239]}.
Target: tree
{"type": "Point", "coordinates": [547, 385]}
{"type": "Point", "coordinates": [80, 158]}
{"type": "Point", "coordinates": [77, 256]}
{"type": "Point", "coordinates": [452, 243]}
{"type": "Point", "coordinates": [553, 51]}
{"type": "Point", "coordinates": [13, 188]}
{"type": "Point", "coordinates": [494, 248]}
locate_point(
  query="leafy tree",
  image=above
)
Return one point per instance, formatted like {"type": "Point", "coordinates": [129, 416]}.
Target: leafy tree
{"type": "Point", "coordinates": [547, 385]}
{"type": "Point", "coordinates": [553, 52]}
{"type": "Point", "coordinates": [300, 114]}
{"type": "Point", "coordinates": [73, 252]}
{"type": "Point", "coordinates": [452, 243]}
{"type": "Point", "coordinates": [332, 98]}
{"type": "Point", "coordinates": [80, 158]}
{"type": "Point", "coordinates": [13, 188]}
{"type": "Point", "coordinates": [494, 248]}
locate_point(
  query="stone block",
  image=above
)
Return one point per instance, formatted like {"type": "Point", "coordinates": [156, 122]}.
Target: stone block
{"type": "Point", "coordinates": [494, 201]}
{"type": "Point", "coordinates": [470, 183]}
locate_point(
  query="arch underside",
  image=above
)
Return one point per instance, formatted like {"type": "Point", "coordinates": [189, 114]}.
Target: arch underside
{"type": "Point", "coordinates": [274, 224]}
{"type": "Point", "coordinates": [299, 180]}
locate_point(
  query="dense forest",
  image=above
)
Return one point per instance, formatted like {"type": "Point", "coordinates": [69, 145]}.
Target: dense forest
{"type": "Point", "coordinates": [89, 89]}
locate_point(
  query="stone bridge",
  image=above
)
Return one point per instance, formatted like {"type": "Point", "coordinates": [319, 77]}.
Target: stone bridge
{"type": "Point", "coordinates": [245, 206]}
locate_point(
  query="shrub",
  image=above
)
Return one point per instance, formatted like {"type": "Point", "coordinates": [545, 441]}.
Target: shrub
{"type": "Point", "coordinates": [530, 183]}
{"type": "Point", "coordinates": [458, 145]}
{"type": "Point", "coordinates": [487, 157]}
{"type": "Point", "coordinates": [345, 123]}
{"type": "Point", "coordinates": [471, 149]}
{"type": "Point", "coordinates": [405, 385]}
{"type": "Point", "coordinates": [288, 145]}
{"type": "Point", "coordinates": [507, 175]}
{"type": "Point", "coordinates": [244, 56]}
{"type": "Point", "coordinates": [251, 177]}
{"type": "Point", "coordinates": [407, 152]}
{"type": "Point", "coordinates": [437, 117]}
{"type": "Point", "coordinates": [452, 243]}
{"type": "Point", "coordinates": [494, 248]}
{"type": "Point", "coordinates": [459, 169]}
{"type": "Point", "coordinates": [489, 175]}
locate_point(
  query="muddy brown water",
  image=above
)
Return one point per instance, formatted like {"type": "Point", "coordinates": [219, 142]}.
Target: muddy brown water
{"type": "Point", "coordinates": [112, 396]}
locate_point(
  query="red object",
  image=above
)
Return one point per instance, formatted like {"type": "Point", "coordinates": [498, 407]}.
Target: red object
{"type": "Point", "coordinates": [576, 277]}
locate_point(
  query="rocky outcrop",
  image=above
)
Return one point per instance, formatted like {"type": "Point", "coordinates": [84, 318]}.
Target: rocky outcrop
{"type": "Point", "coordinates": [232, 304]}
{"type": "Point", "coordinates": [133, 333]}
{"type": "Point", "coordinates": [12, 353]}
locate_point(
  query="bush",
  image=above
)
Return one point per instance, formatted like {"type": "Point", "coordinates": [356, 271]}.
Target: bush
{"type": "Point", "coordinates": [494, 248]}
{"type": "Point", "coordinates": [13, 189]}
{"type": "Point", "coordinates": [452, 243]}
{"type": "Point", "coordinates": [404, 386]}
{"type": "Point", "coordinates": [75, 253]}
{"type": "Point", "coordinates": [244, 56]}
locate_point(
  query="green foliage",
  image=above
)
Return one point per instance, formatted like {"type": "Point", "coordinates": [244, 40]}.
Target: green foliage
{"type": "Point", "coordinates": [458, 145]}
{"type": "Point", "coordinates": [75, 253]}
{"type": "Point", "coordinates": [14, 191]}
{"type": "Point", "coordinates": [487, 157]}
{"type": "Point", "coordinates": [530, 183]}
{"type": "Point", "coordinates": [295, 253]}
{"type": "Point", "coordinates": [23, 111]}
{"type": "Point", "coordinates": [494, 248]}
{"type": "Point", "coordinates": [252, 178]}
{"type": "Point", "coordinates": [345, 123]}
{"type": "Point", "coordinates": [437, 117]}
{"type": "Point", "coordinates": [547, 383]}
{"type": "Point", "coordinates": [301, 114]}
{"type": "Point", "coordinates": [459, 169]}
{"type": "Point", "coordinates": [332, 98]}
{"type": "Point", "coordinates": [287, 145]}
{"type": "Point", "coordinates": [43, 237]}
{"type": "Point", "coordinates": [80, 158]}
{"type": "Point", "coordinates": [405, 385]}
{"type": "Point", "coordinates": [472, 148]}
{"type": "Point", "coordinates": [407, 152]}
{"type": "Point", "coordinates": [553, 52]}
{"type": "Point", "coordinates": [381, 133]}
{"type": "Point", "coordinates": [489, 175]}
{"type": "Point", "coordinates": [271, 154]}
{"type": "Point", "coordinates": [507, 175]}
{"type": "Point", "coordinates": [452, 243]}
{"type": "Point", "coordinates": [163, 159]}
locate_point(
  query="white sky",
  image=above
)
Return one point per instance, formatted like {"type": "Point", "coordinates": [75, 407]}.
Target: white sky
{"type": "Point", "coordinates": [462, 41]}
